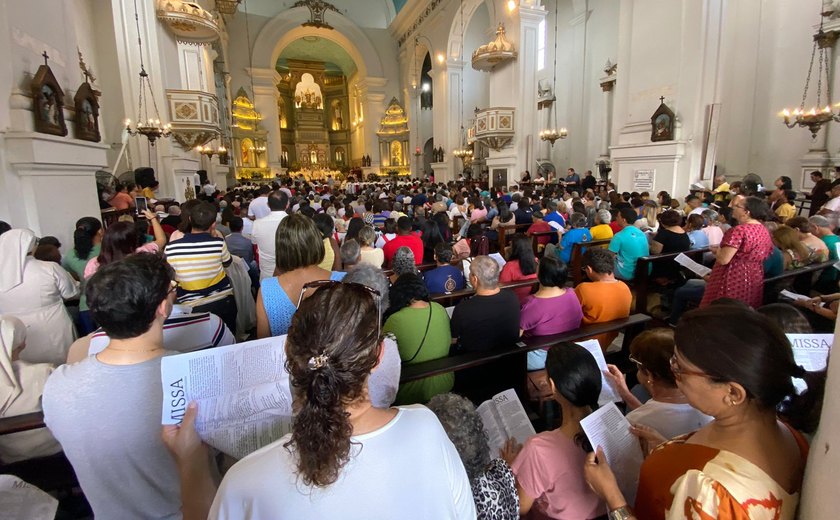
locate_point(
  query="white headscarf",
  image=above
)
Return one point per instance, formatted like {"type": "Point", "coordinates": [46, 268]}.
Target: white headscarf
{"type": "Point", "coordinates": [12, 335]}
{"type": "Point", "coordinates": [15, 244]}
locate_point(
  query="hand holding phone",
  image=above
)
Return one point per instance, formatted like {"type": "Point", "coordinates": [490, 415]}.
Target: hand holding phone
{"type": "Point", "coordinates": [141, 205]}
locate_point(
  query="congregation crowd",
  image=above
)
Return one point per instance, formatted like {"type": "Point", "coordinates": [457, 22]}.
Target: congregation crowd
{"type": "Point", "coordinates": [349, 273]}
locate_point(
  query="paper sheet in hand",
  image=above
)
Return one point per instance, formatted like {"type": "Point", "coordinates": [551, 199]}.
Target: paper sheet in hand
{"type": "Point", "coordinates": [608, 393]}
{"type": "Point", "coordinates": [499, 259]}
{"type": "Point", "coordinates": [504, 418]}
{"type": "Point", "coordinates": [811, 351]}
{"type": "Point", "coordinates": [698, 269]}
{"type": "Point", "coordinates": [792, 295]}
{"type": "Point", "coordinates": [608, 428]}
{"type": "Point", "coordinates": [19, 499]}
{"type": "Point", "coordinates": [242, 392]}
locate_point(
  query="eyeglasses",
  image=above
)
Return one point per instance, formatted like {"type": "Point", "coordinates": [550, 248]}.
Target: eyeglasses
{"type": "Point", "coordinates": [637, 362]}
{"type": "Point", "coordinates": [679, 371]}
{"type": "Point", "coordinates": [317, 284]}
{"type": "Point", "coordinates": [173, 287]}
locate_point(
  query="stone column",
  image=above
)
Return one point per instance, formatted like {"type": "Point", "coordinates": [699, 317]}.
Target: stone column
{"type": "Point", "coordinates": [265, 102]}
{"type": "Point", "coordinates": [607, 85]}
{"type": "Point", "coordinates": [454, 77]}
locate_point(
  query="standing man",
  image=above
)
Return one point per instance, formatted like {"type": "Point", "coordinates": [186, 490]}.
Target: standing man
{"type": "Point", "coordinates": [572, 179]}
{"type": "Point", "coordinates": [265, 230]}
{"type": "Point", "coordinates": [820, 193]}
{"type": "Point", "coordinates": [259, 206]}
{"type": "Point", "coordinates": [199, 260]}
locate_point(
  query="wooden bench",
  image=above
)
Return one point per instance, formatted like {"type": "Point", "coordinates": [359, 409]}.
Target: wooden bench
{"type": "Point", "coordinates": [22, 423]}
{"type": "Point", "coordinates": [632, 324]}
{"type": "Point", "coordinates": [641, 278]}
{"type": "Point", "coordinates": [447, 299]}
{"type": "Point", "coordinates": [507, 231]}
{"type": "Point", "coordinates": [535, 243]}
{"type": "Point", "coordinates": [576, 265]}
{"type": "Point", "coordinates": [804, 275]}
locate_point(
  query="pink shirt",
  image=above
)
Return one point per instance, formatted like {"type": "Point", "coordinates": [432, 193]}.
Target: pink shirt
{"type": "Point", "coordinates": [550, 470]}
{"type": "Point", "coordinates": [512, 273]}
{"type": "Point", "coordinates": [93, 264]}
{"type": "Point", "coordinates": [547, 316]}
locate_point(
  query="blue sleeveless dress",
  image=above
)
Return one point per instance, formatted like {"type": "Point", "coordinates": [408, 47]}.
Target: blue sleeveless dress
{"type": "Point", "coordinates": [278, 307]}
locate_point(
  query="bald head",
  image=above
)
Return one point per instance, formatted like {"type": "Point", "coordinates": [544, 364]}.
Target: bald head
{"type": "Point", "coordinates": [486, 272]}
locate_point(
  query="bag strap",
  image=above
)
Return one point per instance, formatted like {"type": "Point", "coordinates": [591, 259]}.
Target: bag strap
{"type": "Point", "coordinates": [407, 361]}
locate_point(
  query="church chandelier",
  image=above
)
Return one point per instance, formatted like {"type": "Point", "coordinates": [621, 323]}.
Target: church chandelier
{"type": "Point", "coordinates": [815, 117]}
{"type": "Point", "coordinates": [552, 134]}
{"type": "Point", "coordinates": [148, 125]}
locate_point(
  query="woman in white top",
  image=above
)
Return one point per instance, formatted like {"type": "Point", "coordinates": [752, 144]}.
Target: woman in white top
{"type": "Point", "coordinates": [21, 386]}
{"type": "Point", "coordinates": [369, 254]}
{"type": "Point", "coordinates": [667, 411]}
{"type": "Point", "coordinates": [34, 292]}
{"type": "Point", "coordinates": [344, 458]}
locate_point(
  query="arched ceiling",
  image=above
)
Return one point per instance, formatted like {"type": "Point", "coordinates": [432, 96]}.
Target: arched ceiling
{"type": "Point", "coordinates": [314, 48]}
{"type": "Point", "coordinates": [372, 14]}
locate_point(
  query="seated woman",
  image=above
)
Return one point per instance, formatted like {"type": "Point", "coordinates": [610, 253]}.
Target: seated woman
{"type": "Point", "coordinates": [549, 469]}
{"type": "Point", "coordinates": [667, 411]}
{"type": "Point", "coordinates": [332, 256]}
{"type": "Point", "coordinates": [694, 228]}
{"type": "Point", "coordinates": [818, 248]}
{"type": "Point", "coordinates": [431, 237]}
{"type": "Point", "coordinates": [788, 317]}
{"type": "Point", "coordinates": [753, 470]}
{"type": "Point", "coordinates": [21, 386]}
{"type": "Point", "coordinates": [492, 481]}
{"type": "Point", "coordinates": [521, 265]}
{"type": "Point", "coordinates": [344, 458]}
{"type": "Point", "coordinates": [389, 232]}
{"type": "Point", "coordinates": [421, 329]}
{"type": "Point", "coordinates": [671, 238]}
{"type": "Point", "coordinates": [475, 244]}
{"type": "Point", "coordinates": [505, 218]}
{"type": "Point", "coordinates": [551, 310]}
{"type": "Point", "coordinates": [300, 248]}
{"type": "Point", "coordinates": [795, 254]}
{"type": "Point", "coordinates": [369, 254]}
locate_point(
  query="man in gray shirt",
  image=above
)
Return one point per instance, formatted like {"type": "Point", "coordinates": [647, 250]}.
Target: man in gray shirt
{"type": "Point", "coordinates": [106, 410]}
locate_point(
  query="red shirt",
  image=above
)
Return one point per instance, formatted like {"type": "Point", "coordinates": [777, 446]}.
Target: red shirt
{"type": "Point", "coordinates": [615, 227]}
{"type": "Point", "coordinates": [121, 201]}
{"type": "Point", "coordinates": [411, 241]}
{"type": "Point", "coordinates": [538, 227]}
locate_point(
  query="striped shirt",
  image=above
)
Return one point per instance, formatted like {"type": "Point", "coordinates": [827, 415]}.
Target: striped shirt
{"type": "Point", "coordinates": [199, 260]}
{"type": "Point", "coordinates": [181, 333]}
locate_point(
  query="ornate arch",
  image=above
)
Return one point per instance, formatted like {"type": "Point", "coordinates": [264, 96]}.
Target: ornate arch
{"type": "Point", "coordinates": [285, 28]}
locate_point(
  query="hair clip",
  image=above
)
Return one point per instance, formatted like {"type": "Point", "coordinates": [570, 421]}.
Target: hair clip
{"type": "Point", "coordinates": [318, 362]}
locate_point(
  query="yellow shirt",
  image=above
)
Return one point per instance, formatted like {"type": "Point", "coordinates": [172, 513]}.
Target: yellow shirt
{"type": "Point", "coordinates": [601, 231]}
{"type": "Point", "coordinates": [785, 211]}
{"type": "Point", "coordinates": [148, 193]}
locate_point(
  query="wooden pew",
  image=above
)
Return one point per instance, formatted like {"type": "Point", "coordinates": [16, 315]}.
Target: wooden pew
{"type": "Point", "coordinates": [22, 423]}
{"type": "Point", "coordinates": [773, 285]}
{"type": "Point", "coordinates": [576, 265]}
{"type": "Point", "coordinates": [507, 231]}
{"type": "Point", "coordinates": [50, 473]}
{"type": "Point", "coordinates": [641, 278]}
{"type": "Point", "coordinates": [535, 243]}
{"type": "Point", "coordinates": [451, 298]}
{"type": "Point", "coordinates": [632, 324]}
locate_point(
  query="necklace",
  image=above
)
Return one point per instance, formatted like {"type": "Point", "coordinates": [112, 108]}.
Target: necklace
{"type": "Point", "coordinates": [133, 350]}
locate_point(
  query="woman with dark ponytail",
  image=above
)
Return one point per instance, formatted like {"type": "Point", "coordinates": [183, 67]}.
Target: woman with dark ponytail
{"type": "Point", "coordinates": [549, 469]}
{"type": "Point", "coordinates": [87, 240]}
{"type": "Point", "coordinates": [344, 458]}
{"type": "Point", "coordinates": [736, 365]}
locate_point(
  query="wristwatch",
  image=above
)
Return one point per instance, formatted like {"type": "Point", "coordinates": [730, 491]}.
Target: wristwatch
{"type": "Point", "coordinates": [621, 513]}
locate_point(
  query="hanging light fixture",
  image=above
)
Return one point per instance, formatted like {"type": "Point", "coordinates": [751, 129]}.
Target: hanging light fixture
{"type": "Point", "coordinates": [819, 114]}
{"type": "Point", "coordinates": [552, 134]}
{"type": "Point", "coordinates": [464, 151]}
{"type": "Point", "coordinates": [150, 127]}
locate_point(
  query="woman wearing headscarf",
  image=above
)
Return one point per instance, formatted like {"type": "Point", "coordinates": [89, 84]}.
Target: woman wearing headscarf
{"type": "Point", "coordinates": [21, 386]}
{"type": "Point", "coordinates": [34, 292]}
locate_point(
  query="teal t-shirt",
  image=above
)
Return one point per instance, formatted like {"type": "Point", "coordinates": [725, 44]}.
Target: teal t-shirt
{"type": "Point", "coordinates": [76, 266]}
{"type": "Point", "coordinates": [830, 274]}
{"type": "Point", "coordinates": [409, 326]}
{"type": "Point", "coordinates": [629, 244]}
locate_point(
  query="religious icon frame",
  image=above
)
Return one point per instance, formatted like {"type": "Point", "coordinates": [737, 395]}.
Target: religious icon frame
{"type": "Point", "coordinates": [86, 123]}
{"type": "Point", "coordinates": [47, 102]}
{"type": "Point", "coordinates": [662, 123]}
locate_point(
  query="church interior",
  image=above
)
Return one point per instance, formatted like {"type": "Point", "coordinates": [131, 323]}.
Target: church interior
{"type": "Point", "coordinates": [650, 95]}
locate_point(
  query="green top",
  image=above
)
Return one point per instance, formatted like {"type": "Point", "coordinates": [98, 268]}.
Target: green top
{"type": "Point", "coordinates": [830, 274]}
{"type": "Point", "coordinates": [76, 266]}
{"type": "Point", "coordinates": [409, 326]}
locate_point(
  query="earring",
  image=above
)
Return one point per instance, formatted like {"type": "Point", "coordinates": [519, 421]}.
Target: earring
{"type": "Point", "coordinates": [731, 402]}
